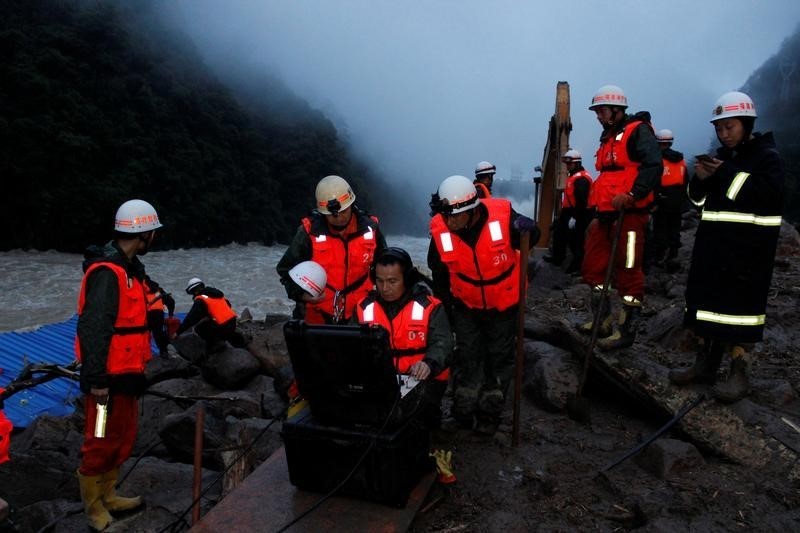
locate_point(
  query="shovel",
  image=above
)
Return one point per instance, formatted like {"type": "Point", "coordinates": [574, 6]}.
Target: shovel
{"type": "Point", "coordinates": [577, 405]}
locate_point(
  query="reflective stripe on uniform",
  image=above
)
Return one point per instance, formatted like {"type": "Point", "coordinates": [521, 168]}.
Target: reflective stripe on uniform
{"type": "Point", "coordinates": [630, 250]}
{"type": "Point", "coordinates": [745, 218]}
{"type": "Point", "coordinates": [736, 184]}
{"type": "Point", "coordinates": [495, 231]}
{"type": "Point", "coordinates": [321, 238]}
{"type": "Point", "coordinates": [417, 311]}
{"type": "Point", "coordinates": [447, 242]}
{"type": "Point", "coordinates": [699, 203]}
{"type": "Point", "coordinates": [369, 235]}
{"type": "Point", "coordinates": [369, 312]}
{"type": "Point", "coordinates": [731, 320]}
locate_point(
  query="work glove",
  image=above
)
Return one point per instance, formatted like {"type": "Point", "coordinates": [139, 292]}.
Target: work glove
{"type": "Point", "coordinates": [622, 201]}
{"type": "Point", "coordinates": [523, 223]}
{"type": "Point", "coordinates": [444, 466]}
{"type": "Point", "coordinates": [571, 223]}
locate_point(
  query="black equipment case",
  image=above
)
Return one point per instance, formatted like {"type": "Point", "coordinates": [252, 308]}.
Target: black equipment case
{"type": "Point", "coordinates": [320, 457]}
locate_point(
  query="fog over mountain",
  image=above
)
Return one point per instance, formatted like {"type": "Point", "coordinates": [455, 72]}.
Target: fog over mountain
{"type": "Point", "coordinates": [427, 89]}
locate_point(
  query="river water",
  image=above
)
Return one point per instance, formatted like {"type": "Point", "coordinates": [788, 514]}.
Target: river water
{"type": "Point", "coordinates": [42, 287]}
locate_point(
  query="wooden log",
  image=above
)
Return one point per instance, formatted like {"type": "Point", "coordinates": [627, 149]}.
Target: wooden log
{"type": "Point", "coordinates": [744, 432]}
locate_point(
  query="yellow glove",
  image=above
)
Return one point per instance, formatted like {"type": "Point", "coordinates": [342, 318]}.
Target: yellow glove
{"type": "Point", "coordinates": [297, 405]}
{"type": "Point", "coordinates": [444, 466]}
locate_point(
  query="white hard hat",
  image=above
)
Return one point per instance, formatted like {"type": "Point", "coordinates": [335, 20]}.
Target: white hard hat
{"type": "Point", "coordinates": [664, 136]}
{"type": "Point", "coordinates": [193, 284]}
{"type": "Point", "coordinates": [136, 216]}
{"type": "Point", "coordinates": [733, 104]}
{"type": "Point", "coordinates": [333, 195]}
{"type": "Point", "coordinates": [458, 194]}
{"type": "Point", "coordinates": [609, 95]}
{"type": "Point", "coordinates": [484, 167]}
{"type": "Point", "coordinates": [310, 276]}
{"type": "Point", "coordinates": [571, 156]}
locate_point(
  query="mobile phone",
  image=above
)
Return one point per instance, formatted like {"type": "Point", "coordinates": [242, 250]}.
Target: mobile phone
{"type": "Point", "coordinates": [704, 158]}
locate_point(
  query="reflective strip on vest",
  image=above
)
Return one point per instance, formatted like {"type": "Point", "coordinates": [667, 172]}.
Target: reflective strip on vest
{"type": "Point", "coordinates": [321, 238]}
{"type": "Point", "coordinates": [417, 311]}
{"type": "Point", "coordinates": [630, 250]}
{"type": "Point", "coordinates": [447, 242]}
{"type": "Point", "coordinates": [731, 320]}
{"type": "Point", "coordinates": [745, 218]}
{"type": "Point", "coordinates": [369, 235]}
{"type": "Point", "coordinates": [736, 184]}
{"type": "Point", "coordinates": [495, 231]}
{"type": "Point", "coordinates": [369, 313]}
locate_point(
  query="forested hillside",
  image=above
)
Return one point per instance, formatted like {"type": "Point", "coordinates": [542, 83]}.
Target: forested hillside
{"type": "Point", "coordinates": [99, 104]}
{"type": "Point", "coordinates": [775, 88]}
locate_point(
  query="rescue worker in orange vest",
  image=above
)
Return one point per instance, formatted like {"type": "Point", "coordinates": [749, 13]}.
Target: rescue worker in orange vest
{"type": "Point", "coordinates": [211, 316]}
{"type": "Point", "coordinates": [473, 256]}
{"type": "Point", "coordinates": [670, 200]}
{"type": "Point", "coordinates": [341, 238]}
{"type": "Point", "coordinates": [113, 346]}
{"type": "Point", "coordinates": [484, 178]}
{"type": "Point", "coordinates": [157, 301]}
{"type": "Point", "coordinates": [419, 333]}
{"type": "Point", "coordinates": [575, 215]}
{"type": "Point", "coordinates": [629, 162]}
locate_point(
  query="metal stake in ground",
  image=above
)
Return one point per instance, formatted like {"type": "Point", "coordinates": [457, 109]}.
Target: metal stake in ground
{"type": "Point", "coordinates": [524, 250]}
{"type": "Point", "coordinates": [577, 406]}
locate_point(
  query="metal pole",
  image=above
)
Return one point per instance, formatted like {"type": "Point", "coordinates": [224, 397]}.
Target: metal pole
{"type": "Point", "coordinates": [198, 461]}
{"type": "Point", "coordinates": [524, 248]}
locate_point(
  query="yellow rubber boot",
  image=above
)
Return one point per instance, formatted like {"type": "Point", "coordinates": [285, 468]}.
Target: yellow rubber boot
{"type": "Point", "coordinates": [97, 515]}
{"type": "Point", "coordinates": [111, 501]}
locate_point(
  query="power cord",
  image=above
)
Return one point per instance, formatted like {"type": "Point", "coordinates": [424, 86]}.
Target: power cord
{"type": "Point", "coordinates": [180, 520]}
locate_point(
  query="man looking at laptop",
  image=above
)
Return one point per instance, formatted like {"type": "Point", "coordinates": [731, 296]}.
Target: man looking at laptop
{"type": "Point", "coordinates": [419, 333]}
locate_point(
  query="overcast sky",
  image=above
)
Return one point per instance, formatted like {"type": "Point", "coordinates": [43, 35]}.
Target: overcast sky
{"type": "Point", "coordinates": [428, 89]}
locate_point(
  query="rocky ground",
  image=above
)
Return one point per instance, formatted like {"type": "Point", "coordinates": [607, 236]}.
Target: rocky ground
{"type": "Point", "coordinates": [554, 480]}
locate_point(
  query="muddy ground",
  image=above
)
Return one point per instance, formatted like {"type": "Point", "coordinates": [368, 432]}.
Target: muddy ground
{"type": "Point", "coordinates": [554, 480]}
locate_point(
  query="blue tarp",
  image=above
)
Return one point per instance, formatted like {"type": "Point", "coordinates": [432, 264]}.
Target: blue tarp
{"type": "Point", "coordinates": [51, 344]}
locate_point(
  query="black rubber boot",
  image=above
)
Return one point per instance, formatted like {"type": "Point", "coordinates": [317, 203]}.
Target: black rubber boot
{"type": "Point", "coordinates": [605, 316]}
{"type": "Point", "coordinates": [624, 332]}
{"type": "Point", "coordinates": [737, 385]}
{"type": "Point", "coordinates": [704, 369]}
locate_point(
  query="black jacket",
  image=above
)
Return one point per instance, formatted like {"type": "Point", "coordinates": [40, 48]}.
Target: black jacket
{"type": "Point", "coordinates": [199, 310]}
{"type": "Point", "coordinates": [734, 249]}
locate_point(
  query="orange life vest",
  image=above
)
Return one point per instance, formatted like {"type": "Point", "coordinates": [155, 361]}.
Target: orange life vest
{"type": "Point", "coordinates": [218, 308]}
{"type": "Point", "coordinates": [5, 435]}
{"type": "Point", "coordinates": [617, 171]}
{"type": "Point", "coordinates": [674, 173]}
{"type": "Point", "coordinates": [569, 189]}
{"type": "Point", "coordinates": [129, 350]}
{"type": "Point", "coordinates": [155, 302]}
{"type": "Point", "coordinates": [483, 190]}
{"type": "Point", "coordinates": [408, 331]}
{"type": "Point", "coordinates": [346, 261]}
{"type": "Point", "coordinates": [488, 276]}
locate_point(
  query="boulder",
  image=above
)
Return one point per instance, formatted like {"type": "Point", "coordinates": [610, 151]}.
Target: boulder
{"type": "Point", "coordinates": [162, 368]}
{"type": "Point", "coordinates": [551, 375]}
{"type": "Point", "coordinates": [670, 458]}
{"type": "Point", "coordinates": [178, 430]}
{"type": "Point", "coordinates": [230, 368]}
{"type": "Point", "coordinates": [190, 346]}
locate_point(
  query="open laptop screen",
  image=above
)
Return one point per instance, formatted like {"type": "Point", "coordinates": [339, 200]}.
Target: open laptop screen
{"type": "Point", "coordinates": [345, 372]}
